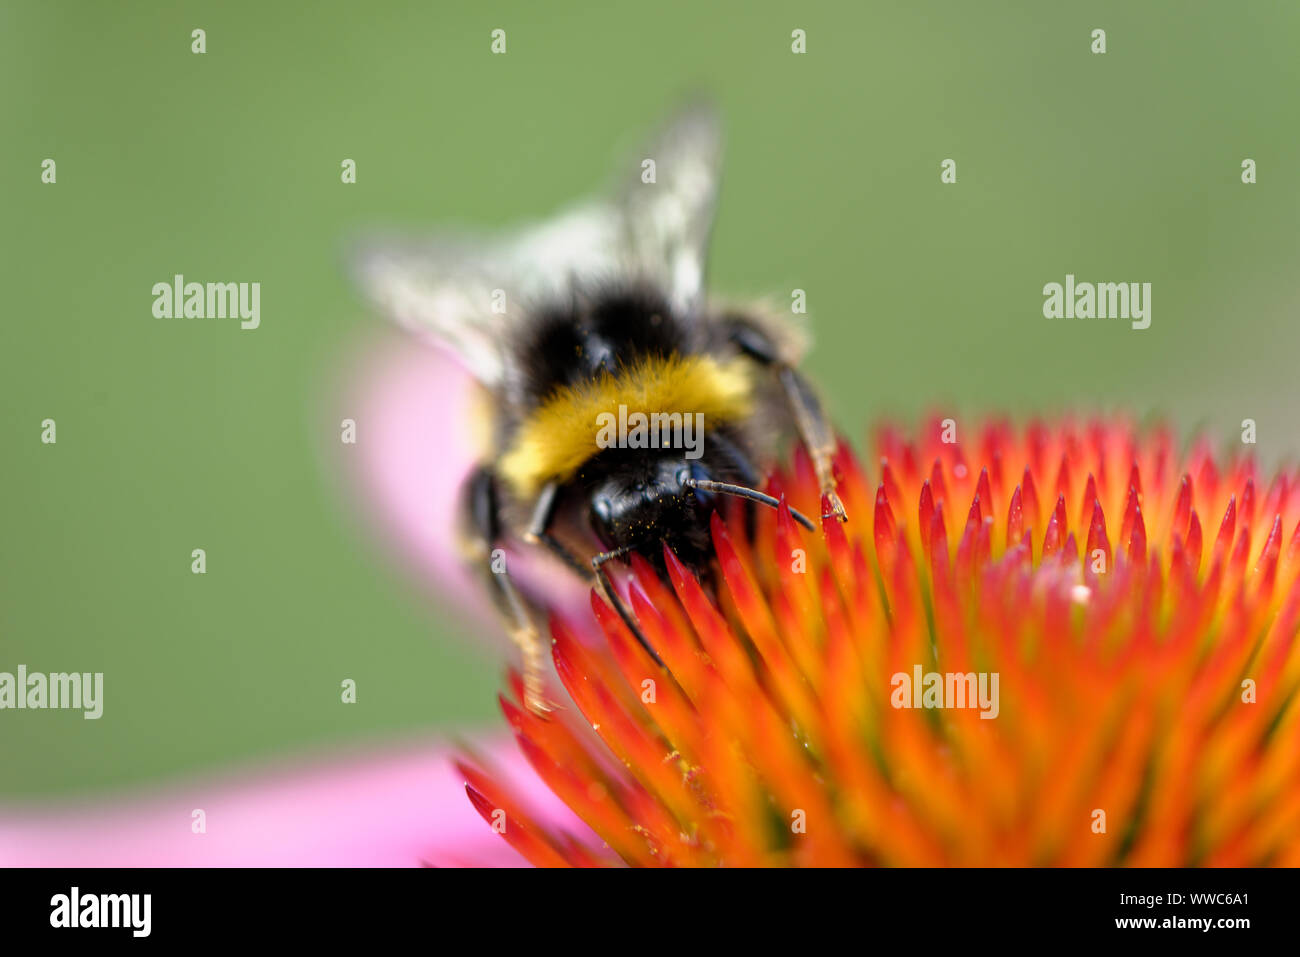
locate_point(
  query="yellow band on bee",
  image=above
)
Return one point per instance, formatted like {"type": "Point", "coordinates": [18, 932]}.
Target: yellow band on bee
{"type": "Point", "coordinates": [563, 432]}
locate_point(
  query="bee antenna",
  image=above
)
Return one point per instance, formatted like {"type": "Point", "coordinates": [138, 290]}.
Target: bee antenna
{"type": "Point", "coordinates": [740, 491]}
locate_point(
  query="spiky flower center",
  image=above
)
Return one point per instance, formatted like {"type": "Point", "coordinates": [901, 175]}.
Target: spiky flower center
{"type": "Point", "coordinates": [1029, 650]}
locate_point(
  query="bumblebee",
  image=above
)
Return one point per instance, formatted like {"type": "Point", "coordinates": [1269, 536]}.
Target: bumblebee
{"type": "Point", "coordinates": [600, 315]}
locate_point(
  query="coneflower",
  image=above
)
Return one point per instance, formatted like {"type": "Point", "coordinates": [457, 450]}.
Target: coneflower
{"type": "Point", "coordinates": [1058, 645]}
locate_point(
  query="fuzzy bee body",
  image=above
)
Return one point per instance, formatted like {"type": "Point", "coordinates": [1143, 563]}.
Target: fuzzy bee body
{"type": "Point", "coordinates": [582, 325]}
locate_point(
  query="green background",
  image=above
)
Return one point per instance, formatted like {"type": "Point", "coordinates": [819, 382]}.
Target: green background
{"type": "Point", "coordinates": [174, 434]}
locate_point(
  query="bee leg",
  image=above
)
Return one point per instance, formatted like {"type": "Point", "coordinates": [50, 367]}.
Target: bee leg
{"type": "Point", "coordinates": [809, 417]}
{"type": "Point", "coordinates": [484, 533]}
{"type": "Point", "coordinates": [817, 436]}
{"type": "Point", "coordinates": [539, 526]}
{"type": "Point", "coordinates": [539, 533]}
{"type": "Point", "coordinates": [608, 592]}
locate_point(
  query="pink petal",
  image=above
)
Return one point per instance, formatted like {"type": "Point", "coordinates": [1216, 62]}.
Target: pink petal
{"type": "Point", "coordinates": [415, 444]}
{"type": "Point", "coordinates": [418, 437]}
{"type": "Point", "coordinates": [401, 808]}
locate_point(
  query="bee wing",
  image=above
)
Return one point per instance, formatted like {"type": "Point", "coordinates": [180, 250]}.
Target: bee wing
{"type": "Point", "coordinates": [448, 290]}
{"type": "Point", "coordinates": [668, 222]}
{"type": "Point", "coordinates": [468, 294]}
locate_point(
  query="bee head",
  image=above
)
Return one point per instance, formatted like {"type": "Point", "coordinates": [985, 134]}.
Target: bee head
{"type": "Point", "coordinates": [641, 500]}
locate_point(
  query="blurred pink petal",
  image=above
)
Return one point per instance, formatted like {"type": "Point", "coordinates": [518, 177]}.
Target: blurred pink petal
{"type": "Point", "coordinates": [401, 808]}
{"type": "Point", "coordinates": [418, 419]}
{"type": "Point", "coordinates": [416, 443]}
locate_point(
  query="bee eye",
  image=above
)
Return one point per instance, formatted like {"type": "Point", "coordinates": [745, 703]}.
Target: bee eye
{"type": "Point", "coordinates": [602, 520]}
